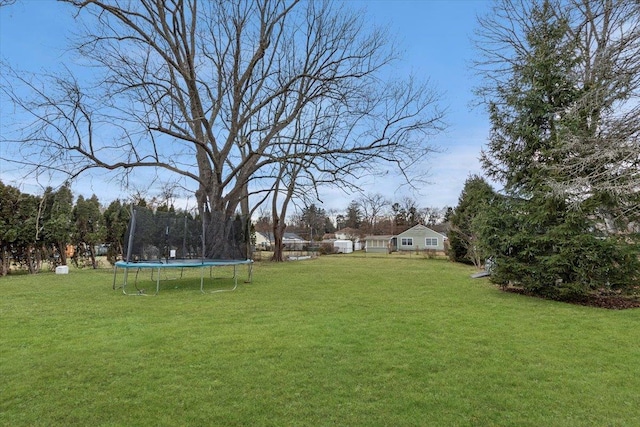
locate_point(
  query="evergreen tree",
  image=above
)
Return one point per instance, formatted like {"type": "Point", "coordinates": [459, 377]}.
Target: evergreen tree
{"type": "Point", "coordinates": [57, 222]}
{"type": "Point", "coordinates": [463, 239]}
{"type": "Point", "coordinates": [526, 126]}
{"type": "Point", "coordinates": [353, 217]}
{"type": "Point", "coordinates": [88, 228]}
{"type": "Point", "coordinates": [550, 250]}
{"type": "Point", "coordinates": [18, 230]}
{"type": "Point", "coordinates": [116, 220]}
{"type": "Point", "coordinates": [399, 215]}
{"type": "Point", "coordinates": [312, 219]}
{"type": "Point", "coordinates": [534, 238]}
{"type": "Point", "coordinates": [8, 232]}
{"type": "Point", "coordinates": [328, 226]}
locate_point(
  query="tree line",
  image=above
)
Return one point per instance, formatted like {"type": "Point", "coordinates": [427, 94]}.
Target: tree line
{"type": "Point", "coordinates": [369, 214]}
{"type": "Point", "coordinates": [49, 229]}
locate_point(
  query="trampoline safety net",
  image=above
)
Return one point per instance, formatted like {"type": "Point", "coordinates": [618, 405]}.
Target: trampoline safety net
{"type": "Point", "coordinates": [163, 236]}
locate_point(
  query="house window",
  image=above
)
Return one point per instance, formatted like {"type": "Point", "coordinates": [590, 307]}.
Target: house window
{"type": "Point", "coordinates": [406, 241]}
{"type": "Point", "coordinates": [431, 241]}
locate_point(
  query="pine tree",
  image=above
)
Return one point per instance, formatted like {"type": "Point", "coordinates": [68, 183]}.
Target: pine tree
{"type": "Point", "coordinates": [463, 245]}
{"type": "Point", "coordinates": [536, 241]}
{"type": "Point", "coordinates": [526, 125]}
{"type": "Point", "coordinates": [88, 228]}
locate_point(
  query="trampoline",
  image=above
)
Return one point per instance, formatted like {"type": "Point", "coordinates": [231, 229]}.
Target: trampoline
{"type": "Point", "coordinates": [160, 241]}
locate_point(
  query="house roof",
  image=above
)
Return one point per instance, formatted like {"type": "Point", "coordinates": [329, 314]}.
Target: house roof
{"type": "Point", "coordinates": [379, 237]}
{"type": "Point", "coordinates": [406, 232]}
{"type": "Point", "coordinates": [420, 227]}
{"type": "Point", "coordinates": [442, 228]}
{"type": "Point", "coordinates": [348, 230]}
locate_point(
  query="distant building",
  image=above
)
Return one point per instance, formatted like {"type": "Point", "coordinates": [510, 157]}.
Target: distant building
{"type": "Point", "coordinates": [291, 241]}
{"type": "Point", "coordinates": [379, 244]}
{"type": "Point", "coordinates": [416, 238]}
{"type": "Point", "coordinates": [420, 238]}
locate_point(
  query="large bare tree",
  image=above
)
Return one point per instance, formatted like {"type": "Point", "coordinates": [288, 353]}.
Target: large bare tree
{"type": "Point", "coordinates": [372, 205]}
{"type": "Point", "coordinates": [206, 90]}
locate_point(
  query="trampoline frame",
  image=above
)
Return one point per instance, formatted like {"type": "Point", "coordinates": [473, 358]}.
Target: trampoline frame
{"type": "Point", "coordinates": [178, 263]}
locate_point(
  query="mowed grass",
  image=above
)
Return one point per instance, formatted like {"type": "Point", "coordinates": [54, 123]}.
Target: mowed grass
{"type": "Point", "coordinates": [341, 340]}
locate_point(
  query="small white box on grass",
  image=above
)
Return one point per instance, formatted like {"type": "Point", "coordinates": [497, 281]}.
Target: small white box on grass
{"type": "Point", "coordinates": [62, 269]}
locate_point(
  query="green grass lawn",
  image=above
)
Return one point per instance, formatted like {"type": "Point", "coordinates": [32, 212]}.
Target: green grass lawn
{"type": "Point", "coordinates": [341, 340]}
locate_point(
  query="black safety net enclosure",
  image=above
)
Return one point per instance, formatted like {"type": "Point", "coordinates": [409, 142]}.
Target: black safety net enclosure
{"type": "Point", "coordinates": [178, 235]}
{"type": "Point", "coordinates": [226, 238]}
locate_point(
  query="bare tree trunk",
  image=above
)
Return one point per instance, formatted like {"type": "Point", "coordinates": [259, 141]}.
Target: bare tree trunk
{"type": "Point", "coordinates": [278, 233]}
{"type": "Point", "coordinates": [246, 215]}
{"type": "Point", "coordinates": [32, 259]}
{"type": "Point", "coordinates": [4, 262]}
{"type": "Point", "coordinates": [92, 255]}
{"type": "Point", "coordinates": [62, 249]}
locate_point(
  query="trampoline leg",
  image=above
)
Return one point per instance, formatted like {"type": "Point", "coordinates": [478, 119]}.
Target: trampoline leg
{"type": "Point", "coordinates": [202, 279]}
{"type": "Point", "coordinates": [250, 268]}
{"type": "Point", "coordinates": [124, 283]}
{"type": "Point", "coordinates": [235, 281]}
{"type": "Point", "coordinates": [158, 282]}
{"type": "Point", "coordinates": [135, 283]}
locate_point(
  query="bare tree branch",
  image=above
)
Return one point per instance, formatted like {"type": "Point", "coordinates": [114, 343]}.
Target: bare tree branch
{"type": "Point", "coordinates": [214, 92]}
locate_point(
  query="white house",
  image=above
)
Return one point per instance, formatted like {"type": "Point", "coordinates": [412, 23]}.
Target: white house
{"type": "Point", "coordinates": [291, 241]}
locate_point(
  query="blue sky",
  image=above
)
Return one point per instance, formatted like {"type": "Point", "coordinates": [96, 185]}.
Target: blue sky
{"type": "Point", "coordinates": [433, 34]}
